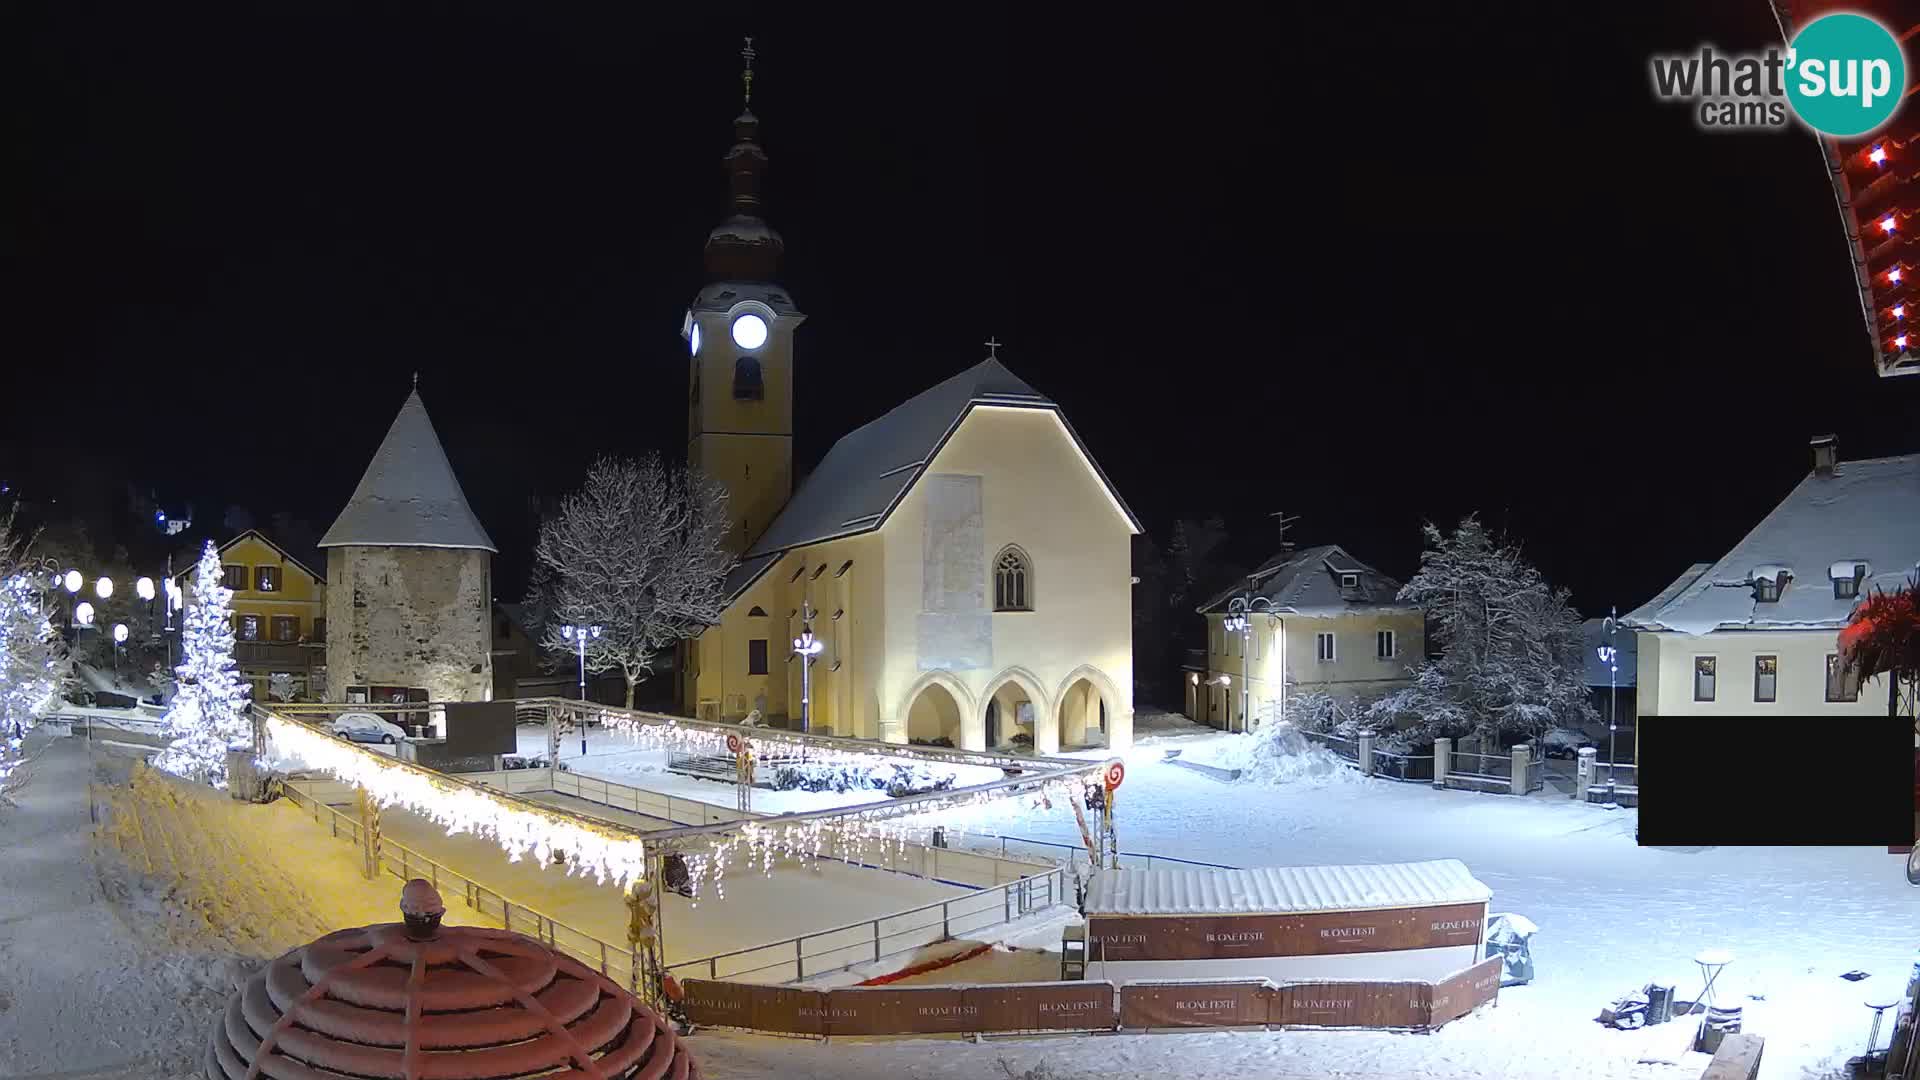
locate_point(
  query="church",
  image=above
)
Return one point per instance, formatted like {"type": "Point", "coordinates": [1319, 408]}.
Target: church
{"type": "Point", "coordinates": [959, 569]}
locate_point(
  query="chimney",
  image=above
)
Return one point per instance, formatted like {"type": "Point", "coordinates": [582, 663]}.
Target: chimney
{"type": "Point", "coordinates": [1826, 454]}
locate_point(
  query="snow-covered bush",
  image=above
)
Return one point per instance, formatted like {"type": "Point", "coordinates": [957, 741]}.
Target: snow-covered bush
{"type": "Point", "coordinates": [896, 779]}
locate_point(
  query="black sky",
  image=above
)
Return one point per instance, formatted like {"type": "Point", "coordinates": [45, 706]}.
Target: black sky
{"type": "Point", "coordinates": [1370, 266]}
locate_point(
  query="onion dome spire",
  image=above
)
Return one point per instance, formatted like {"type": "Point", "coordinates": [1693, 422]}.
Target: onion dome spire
{"type": "Point", "coordinates": [744, 247]}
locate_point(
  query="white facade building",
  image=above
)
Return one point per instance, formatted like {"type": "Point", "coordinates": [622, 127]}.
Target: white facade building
{"type": "Point", "coordinates": [1757, 631]}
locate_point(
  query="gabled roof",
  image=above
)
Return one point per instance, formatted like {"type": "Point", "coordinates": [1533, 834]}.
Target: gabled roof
{"type": "Point", "coordinates": [871, 469]}
{"type": "Point", "coordinates": [1627, 654]}
{"type": "Point", "coordinates": [1307, 582]}
{"type": "Point", "coordinates": [192, 558]}
{"type": "Point", "coordinates": [409, 496]}
{"type": "Point", "coordinates": [1865, 511]}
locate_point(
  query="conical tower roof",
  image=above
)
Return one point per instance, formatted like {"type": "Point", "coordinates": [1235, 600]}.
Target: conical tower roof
{"type": "Point", "coordinates": [409, 496]}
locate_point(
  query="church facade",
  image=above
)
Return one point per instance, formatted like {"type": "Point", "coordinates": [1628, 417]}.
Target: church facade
{"type": "Point", "coordinates": [962, 563]}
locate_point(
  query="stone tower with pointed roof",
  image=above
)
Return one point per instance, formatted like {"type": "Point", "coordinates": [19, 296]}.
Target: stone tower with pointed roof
{"type": "Point", "coordinates": [411, 570]}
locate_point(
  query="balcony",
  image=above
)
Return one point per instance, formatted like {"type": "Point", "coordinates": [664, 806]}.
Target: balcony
{"type": "Point", "coordinates": [279, 655]}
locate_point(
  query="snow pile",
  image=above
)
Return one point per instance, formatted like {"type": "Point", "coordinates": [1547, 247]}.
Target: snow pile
{"type": "Point", "coordinates": [1276, 754]}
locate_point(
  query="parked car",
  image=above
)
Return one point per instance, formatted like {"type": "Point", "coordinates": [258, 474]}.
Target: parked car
{"type": "Point", "coordinates": [367, 728]}
{"type": "Point", "coordinates": [1564, 743]}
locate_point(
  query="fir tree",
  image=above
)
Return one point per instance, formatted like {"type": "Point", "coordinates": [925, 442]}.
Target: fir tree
{"type": "Point", "coordinates": [207, 716]}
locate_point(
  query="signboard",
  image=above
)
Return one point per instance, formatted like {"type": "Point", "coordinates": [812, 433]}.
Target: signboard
{"type": "Point", "coordinates": [1208, 1004]}
{"type": "Point", "coordinates": [480, 727]}
{"type": "Point", "coordinates": [1460, 994]}
{"type": "Point", "coordinates": [1352, 1004]}
{"type": "Point", "coordinates": [1067, 1006]}
{"type": "Point", "coordinates": [1227, 937]}
{"type": "Point", "coordinates": [905, 1011]}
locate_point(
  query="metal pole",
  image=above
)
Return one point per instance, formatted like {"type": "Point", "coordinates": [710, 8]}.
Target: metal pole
{"type": "Point", "coordinates": [1613, 698]}
{"type": "Point", "coordinates": [1246, 648]}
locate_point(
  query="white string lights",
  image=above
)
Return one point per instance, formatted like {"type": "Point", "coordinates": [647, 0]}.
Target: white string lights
{"type": "Point", "coordinates": [865, 835]}
{"type": "Point", "coordinates": [610, 854]}
{"type": "Point", "coordinates": [876, 832]}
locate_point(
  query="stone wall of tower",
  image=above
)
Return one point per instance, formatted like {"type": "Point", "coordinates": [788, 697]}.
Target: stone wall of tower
{"type": "Point", "coordinates": [410, 616]}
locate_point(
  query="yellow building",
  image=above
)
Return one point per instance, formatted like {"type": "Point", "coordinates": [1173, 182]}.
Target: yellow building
{"type": "Point", "coordinates": [279, 615]}
{"type": "Point", "coordinates": [962, 562]}
{"type": "Point", "coordinates": [1315, 619]}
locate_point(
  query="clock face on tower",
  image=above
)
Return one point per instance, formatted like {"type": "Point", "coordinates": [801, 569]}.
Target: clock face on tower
{"type": "Point", "coordinates": [693, 339]}
{"type": "Point", "coordinates": [749, 331]}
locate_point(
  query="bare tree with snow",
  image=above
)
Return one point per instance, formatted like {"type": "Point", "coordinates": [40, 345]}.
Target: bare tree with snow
{"type": "Point", "coordinates": [1511, 646]}
{"type": "Point", "coordinates": [637, 551]}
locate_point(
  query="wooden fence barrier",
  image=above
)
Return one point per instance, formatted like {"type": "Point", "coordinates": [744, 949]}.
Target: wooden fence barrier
{"type": "Point", "coordinates": [1091, 1005]}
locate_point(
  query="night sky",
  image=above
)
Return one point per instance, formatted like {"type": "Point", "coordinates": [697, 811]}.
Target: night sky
{"type": "Point", "coordinates": [1371, 269]}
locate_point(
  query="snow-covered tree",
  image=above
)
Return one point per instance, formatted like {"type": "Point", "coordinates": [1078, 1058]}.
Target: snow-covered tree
{"type": "Point", "coordinates": [1511, 659]}
{"type": "Point", "coordinates": [637, 551]}
{"type": "Point", "coordinates": [207, 715]}
{"type": "Point", "coordinates": [1882, 637]}
{"type": "Point", "coordinates": [33, 660]}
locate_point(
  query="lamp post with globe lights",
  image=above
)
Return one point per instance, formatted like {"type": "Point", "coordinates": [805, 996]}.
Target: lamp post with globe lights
{"type": "Point", "coordinates": [1610, 656]}
{"type": "Point", "coordinates": [806, 647]}
{"type": "Point", "coordinates": [580, 635]}
{"type": "Point", "coordinates": [1238, 622]}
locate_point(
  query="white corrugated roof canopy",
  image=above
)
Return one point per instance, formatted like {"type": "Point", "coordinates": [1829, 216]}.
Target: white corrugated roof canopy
{"type": "Point", "coordinates": [1283, 889]}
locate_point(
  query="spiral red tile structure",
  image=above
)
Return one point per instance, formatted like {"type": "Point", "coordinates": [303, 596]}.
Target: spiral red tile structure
{"type": "Point", "coordinates": [465, 1003]}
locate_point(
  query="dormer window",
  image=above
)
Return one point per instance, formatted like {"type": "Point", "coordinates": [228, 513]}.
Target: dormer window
{"type": "Point", "coordinates": [1349, 581]}
{"type": "Point", "coordinates": [1769, 582]}
{"type": "Point", "coordinates": [1847, 576]}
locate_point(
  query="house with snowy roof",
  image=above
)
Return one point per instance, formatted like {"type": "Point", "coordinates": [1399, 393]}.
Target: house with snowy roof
{"type": "Point", "coordinates": [1312, 619]}
{"type": "Point", "coordinates": [1757, 631]}
{"type": "Point", "coordinates": [959, 568]}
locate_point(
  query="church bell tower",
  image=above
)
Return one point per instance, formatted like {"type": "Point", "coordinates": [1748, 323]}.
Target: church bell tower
{"type": "Point", "coordinates": [739, 334]}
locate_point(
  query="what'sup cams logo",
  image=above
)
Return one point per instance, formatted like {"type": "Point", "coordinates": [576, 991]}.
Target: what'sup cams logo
{"type": "Point", "coordinates": [1842, 75]}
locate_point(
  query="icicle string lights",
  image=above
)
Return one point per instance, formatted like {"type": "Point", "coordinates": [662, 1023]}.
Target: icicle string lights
{"type": "Point", "coordinates": [610, 854]}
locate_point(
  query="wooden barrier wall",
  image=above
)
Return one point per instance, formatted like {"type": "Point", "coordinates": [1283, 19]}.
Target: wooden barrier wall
{"type": "Point", "coordinates": [1228, 937]}
{"type": "Point", "coordinates": [1091, 1006]}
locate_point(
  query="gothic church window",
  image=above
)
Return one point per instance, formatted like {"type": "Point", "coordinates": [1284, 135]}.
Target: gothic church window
{"type": "Point", "coordinates": [1012, 580]}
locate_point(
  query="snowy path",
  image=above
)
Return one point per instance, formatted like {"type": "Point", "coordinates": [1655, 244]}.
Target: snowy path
{"type": "Point", "coordinates": [61, 943]}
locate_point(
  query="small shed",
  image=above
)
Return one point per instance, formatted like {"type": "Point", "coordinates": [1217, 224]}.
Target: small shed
{"type": "Point", "coordinates": [1417, 921]}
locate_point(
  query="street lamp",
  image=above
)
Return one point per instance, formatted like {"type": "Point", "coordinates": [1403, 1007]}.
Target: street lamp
{"type": "Point", "coordinates": [580, 635]}
{"type": "Point", "coordinates": [1237, 622]}
{"type": "Point", "coordinates": [1610, 656]}
{"type": "Point", "coordinates": [144, 588]}
{"type": "Point", "coordinates": [806, 647]}
{"type": "Point", "coordinates": [119, 641]}
{"type": "Point", "coordinates": [73, 581]}
{"type": "Point", "coordinates": [103, 588]}
{"type": "Point", "coordinates": [83, 614]}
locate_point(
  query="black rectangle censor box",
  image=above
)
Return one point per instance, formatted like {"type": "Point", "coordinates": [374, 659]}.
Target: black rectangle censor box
{"type": "Point", "coordinates": [1775, 781]}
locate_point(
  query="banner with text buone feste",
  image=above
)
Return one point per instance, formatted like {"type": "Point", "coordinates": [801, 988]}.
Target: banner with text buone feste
{"type": "Point", "coordinates": [1067, 1006]}
{"type": "Point", "coordinates": [1457, 995]}
{"type": "Point", "coordinates": [1195, 1004]}
{"type": "Point", "coordinates": [1225, 937]}
{"type": "Point", "coordinates": [1352, 1004]}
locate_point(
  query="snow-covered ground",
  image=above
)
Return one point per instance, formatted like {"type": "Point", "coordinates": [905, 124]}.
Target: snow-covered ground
{"type": "Point", "coordinates": [1613, 916]}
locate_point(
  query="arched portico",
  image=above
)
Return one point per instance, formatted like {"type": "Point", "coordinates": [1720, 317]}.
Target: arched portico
{"type": "Point", "coordinates": [1089, 708]}
{"type": "Point", "coordinates": [1007, 691]}
{"type": "Point", "coordinates": [937, 705]}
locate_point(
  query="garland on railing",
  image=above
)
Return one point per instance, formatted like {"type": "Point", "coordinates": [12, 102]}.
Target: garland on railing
{"type": "Point", "coordinates": [609, 853]}
{"type": "Point", "coordinates": [857, 834]}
